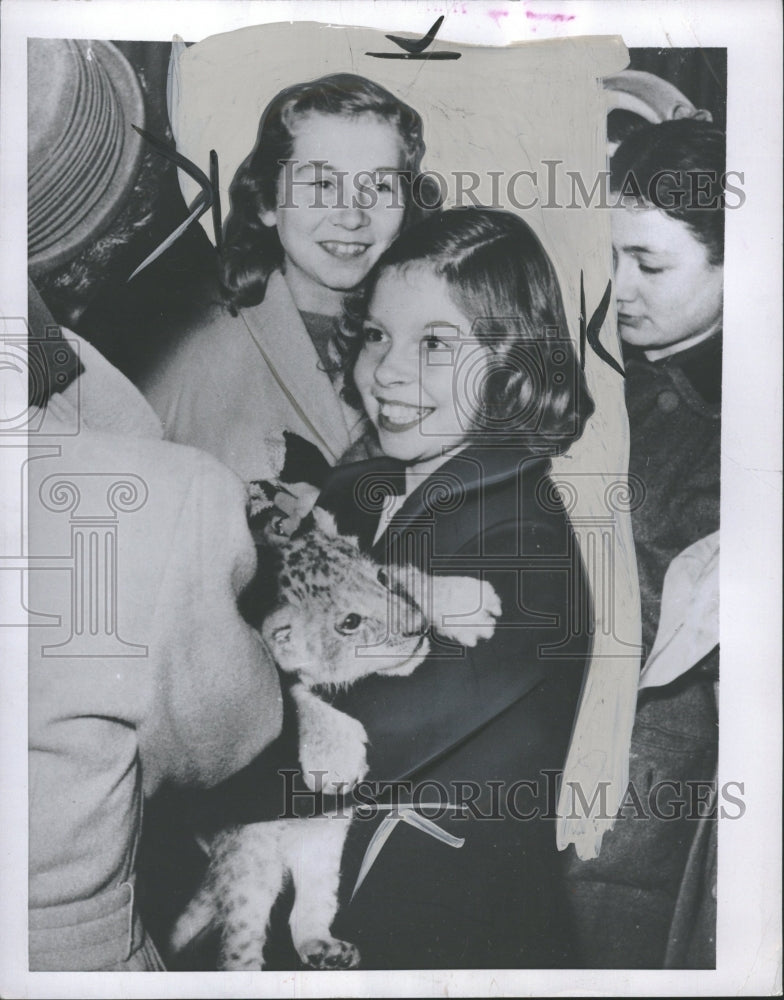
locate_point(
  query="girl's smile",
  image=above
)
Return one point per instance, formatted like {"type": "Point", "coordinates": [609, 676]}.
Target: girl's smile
{"type": "Point", "coordinates": [418, 365]}
{"type": "Point", "coordinates": [396, 417]}
{"type": "Point", "coordinates": [342, 249]}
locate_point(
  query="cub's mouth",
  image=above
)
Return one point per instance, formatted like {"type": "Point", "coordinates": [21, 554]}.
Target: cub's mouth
{"type": "Point", "coordinates": [414, 652]}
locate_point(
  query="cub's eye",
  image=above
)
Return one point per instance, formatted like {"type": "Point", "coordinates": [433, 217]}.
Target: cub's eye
{"type": "Point", "coordinates": [383, 579]}
{"type": "Point", "coordinates": [349, 624]}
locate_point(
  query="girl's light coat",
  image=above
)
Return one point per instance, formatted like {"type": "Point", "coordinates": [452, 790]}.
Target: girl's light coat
{"type": "Point", "coordinates": [232, 385]}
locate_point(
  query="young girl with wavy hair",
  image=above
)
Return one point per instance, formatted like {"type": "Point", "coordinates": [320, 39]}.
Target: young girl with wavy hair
{"type": "Point", "coordinates": [457, 346]}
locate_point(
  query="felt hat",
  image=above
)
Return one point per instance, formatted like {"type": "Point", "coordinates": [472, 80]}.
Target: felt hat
{"type": "Point", "coordinates": [83, 155]}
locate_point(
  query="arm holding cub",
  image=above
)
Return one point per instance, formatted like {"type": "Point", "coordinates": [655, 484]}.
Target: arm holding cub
{"type": "Point", "coordinates": [340, 617]}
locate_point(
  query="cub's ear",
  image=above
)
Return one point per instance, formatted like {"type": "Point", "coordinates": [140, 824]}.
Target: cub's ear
{"type": "Point", "coordinates": [283, 633]}
{"type": "Point", "coordinates": [281, 637]}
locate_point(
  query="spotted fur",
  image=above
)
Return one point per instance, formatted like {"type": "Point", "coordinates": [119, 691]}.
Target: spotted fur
{"type": "Point", "coordinates": [336, 617]}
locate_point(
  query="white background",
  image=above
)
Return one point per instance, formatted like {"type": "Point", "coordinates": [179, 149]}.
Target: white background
{"type": "Point", "coordinates": [749, 932]}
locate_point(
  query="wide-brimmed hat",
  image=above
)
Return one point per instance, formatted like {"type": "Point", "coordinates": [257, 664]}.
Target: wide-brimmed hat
{"type": "Point", "coordinates": [83, 155]}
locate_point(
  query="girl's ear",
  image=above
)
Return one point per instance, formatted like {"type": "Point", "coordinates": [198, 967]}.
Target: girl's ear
{"type": "Point", "coordinates": [269, 217]}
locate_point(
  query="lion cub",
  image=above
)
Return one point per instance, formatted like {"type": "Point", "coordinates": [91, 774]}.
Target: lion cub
{"type": "Point", "coordinates": [336, 617]}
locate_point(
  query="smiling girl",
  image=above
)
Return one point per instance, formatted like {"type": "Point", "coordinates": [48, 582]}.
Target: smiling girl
{"type": "Point", "coordinates": [323, 193]}
{"type": "Point", "coordinates": [458, 348]}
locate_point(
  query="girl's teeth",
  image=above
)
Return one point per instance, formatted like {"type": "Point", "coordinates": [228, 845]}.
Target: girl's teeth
{"type": "Point", "coordinates": [400, 414]}
{"type": "Point", "coordinates": [345, 249]}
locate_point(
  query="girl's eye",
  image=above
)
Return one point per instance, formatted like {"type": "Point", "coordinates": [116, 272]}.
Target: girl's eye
{"type": "Point", "coordinates": [372, 335]}
{"type": "Point", "coordinates": [323, 184]}
{"type": "Point", "coordinates": [385, 182]}
{"type": "Point", "coordinates": [434, 343]}
{"type": "Point", "coordinates": [646, 269]}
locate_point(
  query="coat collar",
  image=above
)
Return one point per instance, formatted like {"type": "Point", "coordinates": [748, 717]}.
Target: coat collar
{"type": "Point", "coordinates": [459, 480]}
{"type": "Point", "coordinates": [696, 370]}
{"type": "Point", "coordinates": [280, 336]}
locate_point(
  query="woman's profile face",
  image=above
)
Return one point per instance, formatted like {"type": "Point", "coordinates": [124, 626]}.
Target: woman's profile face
{"type": "Point", "coordinates": [666, 289]}
{"type": "Point", "coordinates": [340, 205]}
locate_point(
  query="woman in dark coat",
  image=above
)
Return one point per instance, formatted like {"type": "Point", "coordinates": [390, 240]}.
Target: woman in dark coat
{"type": "Point", "coordinates": [649, 900]}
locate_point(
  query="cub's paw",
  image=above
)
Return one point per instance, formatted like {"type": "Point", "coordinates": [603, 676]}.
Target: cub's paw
{"type": "Point", "coordinates": [334, 756]}
{"type": "Point", "coordinates": [465, 609]}
{"type": "Point", "coordinates": [329, 954]}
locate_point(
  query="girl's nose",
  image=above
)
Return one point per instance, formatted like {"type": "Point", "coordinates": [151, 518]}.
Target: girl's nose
{"type": "Point", "coordinates": [625, 279]}
{"type": "Point", "coordinates": [351, 217]}
{"type": "Point", "coordinates": [396, 367]}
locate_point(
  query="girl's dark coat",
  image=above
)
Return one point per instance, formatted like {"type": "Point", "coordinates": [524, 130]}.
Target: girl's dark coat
{"type": "Point", "coordinates": [496, 717]}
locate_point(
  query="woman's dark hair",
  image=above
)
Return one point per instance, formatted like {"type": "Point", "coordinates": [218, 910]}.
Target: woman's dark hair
{"type": "Point", "coordinates": [678, 167]}
{"type": "Point", "coordinates": [251, 250]}
{"type": "Point", "coordinates": [502, 278]}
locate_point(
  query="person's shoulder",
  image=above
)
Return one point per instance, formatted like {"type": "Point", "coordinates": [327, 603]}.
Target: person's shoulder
{"type": "Point", "coordinates": [212, 322]}
{"type": "Point", "coordinates": [166, 465]}
{"type": "Point", "coordinates": [702, 366]}
{"type": "Point", "coordinates": [499, 468]}
{"type": "Point", "coordinates": [208, 343]}
{"type": "Point", "coordinates": [516, 503]}
{"type": "Point", "coordinates": [691, 376]}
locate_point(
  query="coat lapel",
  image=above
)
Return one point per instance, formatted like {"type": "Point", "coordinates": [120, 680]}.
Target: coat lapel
{"type": "Point", "coordinates": [356, 495]}
{"type": "Point", "coordinates": [455, 485]}
{"type": "Point", "coordinates": [284, 344]}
